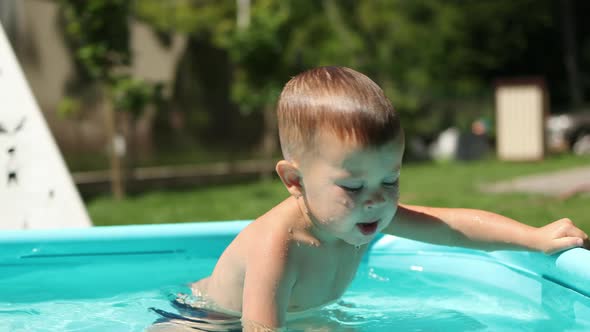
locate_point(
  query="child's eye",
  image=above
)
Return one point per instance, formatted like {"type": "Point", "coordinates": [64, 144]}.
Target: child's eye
{"type": "Point", "coordinates": [391, 183]}
{"type": "Point", "coordinates": [351, 189]}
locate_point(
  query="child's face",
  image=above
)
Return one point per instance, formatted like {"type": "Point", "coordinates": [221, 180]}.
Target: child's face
{"type": "Point", "coordinates": [351, 191]}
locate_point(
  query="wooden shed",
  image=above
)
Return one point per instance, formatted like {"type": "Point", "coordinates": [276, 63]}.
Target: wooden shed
{"type": "Point", "coordinates": [521, 107]}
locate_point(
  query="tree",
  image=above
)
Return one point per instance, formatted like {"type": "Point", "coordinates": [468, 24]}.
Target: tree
{"type": "Point", "coordinates": [434, 59]}
{"type": "Point", "coordinates": [254, 49]}
{"type": "Point", "coordinates": [98, 33]}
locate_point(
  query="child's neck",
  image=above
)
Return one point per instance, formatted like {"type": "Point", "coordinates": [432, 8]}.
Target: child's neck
{"type": "Point", "coordinates": [309, 224]}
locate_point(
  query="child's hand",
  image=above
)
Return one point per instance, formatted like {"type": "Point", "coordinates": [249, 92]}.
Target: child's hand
{"type": "Point", "coordinates": [558, 236]}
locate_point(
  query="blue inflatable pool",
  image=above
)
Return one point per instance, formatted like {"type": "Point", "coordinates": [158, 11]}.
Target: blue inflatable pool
{"type": "Point", "coordinates": [107, 278]}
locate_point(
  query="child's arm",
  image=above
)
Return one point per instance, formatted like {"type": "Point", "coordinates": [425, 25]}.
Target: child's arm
{"type": "Point", "coordinates": [268, 283]}
{"type": "Point", "coordinates": [482, 230]}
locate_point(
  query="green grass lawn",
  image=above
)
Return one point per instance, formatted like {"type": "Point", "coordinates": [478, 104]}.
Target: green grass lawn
{"type": "Point", "coordinates": [445, 185]}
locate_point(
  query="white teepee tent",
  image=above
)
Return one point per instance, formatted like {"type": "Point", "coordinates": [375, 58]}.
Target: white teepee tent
{"type": "Point", "coordinates": [36, 189]}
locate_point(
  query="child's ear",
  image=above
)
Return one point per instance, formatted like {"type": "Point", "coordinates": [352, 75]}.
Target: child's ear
{"type": "Point", "coordinates": [291, 177]}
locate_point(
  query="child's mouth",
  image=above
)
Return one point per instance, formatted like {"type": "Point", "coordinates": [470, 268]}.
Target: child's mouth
{"type": "Point", "coordinates": [368, 228]}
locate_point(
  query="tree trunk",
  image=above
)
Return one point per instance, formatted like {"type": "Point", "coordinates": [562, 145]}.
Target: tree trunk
{"type": "Point", "coordinates": [243, 14]}
{"type": "Point", "coordinates": [269, 138]}
{"type": "Point", "coordinates": [116, 173]}
{"type": "Point", "coordinates": [143, 144]}
{"type": "Point", "coordinates": [127, 131]}
{"type": "Point", "coordinates": [570, 49]}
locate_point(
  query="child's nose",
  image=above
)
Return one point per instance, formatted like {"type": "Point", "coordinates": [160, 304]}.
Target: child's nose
{"type": "Point", "coordinates": [377, 198]}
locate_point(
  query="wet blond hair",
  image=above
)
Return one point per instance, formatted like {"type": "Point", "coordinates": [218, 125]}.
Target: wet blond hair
{"type": "Point", "coordinates": [335, 99]}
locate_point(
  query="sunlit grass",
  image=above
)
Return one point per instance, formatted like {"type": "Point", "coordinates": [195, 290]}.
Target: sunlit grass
{"type": "Point", "coordinates": [448, 185]}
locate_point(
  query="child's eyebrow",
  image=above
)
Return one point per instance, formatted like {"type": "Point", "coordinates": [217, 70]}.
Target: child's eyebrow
{"type": "Point", "coordinates": [396, 175]}
{"type": "Point", "coordinates": [396, 172]}
{"type": "Point", "coordinates": [352, 174]}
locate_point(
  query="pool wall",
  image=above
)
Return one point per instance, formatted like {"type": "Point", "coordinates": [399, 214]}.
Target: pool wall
{"type": "Point", "coordinates": [32, 248]}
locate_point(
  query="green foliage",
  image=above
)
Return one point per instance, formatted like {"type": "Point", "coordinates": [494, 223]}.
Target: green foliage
{"type": "Point", "coordinates": [195, 18]}
{"type": "Point", "coordinates": [436, 60]}
{"type": "Point", "coordinates": [256, 51]}
{"type": "Point", "coordinates": [98, 32]}
{"type": "Point", "coordinates": [68, 107]}
{"type": "Point", "coordinates": [425, 54]}
{"type": "Point", "coordinates": [133, 95]}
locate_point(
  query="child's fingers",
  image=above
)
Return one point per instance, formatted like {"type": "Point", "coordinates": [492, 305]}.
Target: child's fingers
{"type": "Point", "coordinates": [565, 243]}
{"type": "Point", "coordinates": [569, 229]}
{"type": "Point", "coordinates": [576, 232]}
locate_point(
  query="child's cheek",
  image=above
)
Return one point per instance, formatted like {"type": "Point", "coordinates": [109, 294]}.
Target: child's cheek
{"type": "Point", "coordinates": [346, 200]}
{"type": "Point", "coordinates": [392, 194]}
{"type": "Point", "coordinates": [347, 203]}
{"type": "Point", "coordinates": [342, 202]}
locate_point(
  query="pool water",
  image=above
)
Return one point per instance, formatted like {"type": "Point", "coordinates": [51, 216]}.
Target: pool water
{"type": "Point", "coordinates": [392, 292]}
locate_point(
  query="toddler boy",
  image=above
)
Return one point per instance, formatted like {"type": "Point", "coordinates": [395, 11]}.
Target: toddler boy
{"type": "Point", "coordinates": [343, 145]}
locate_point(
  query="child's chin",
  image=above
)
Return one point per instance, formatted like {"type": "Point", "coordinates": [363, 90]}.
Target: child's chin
{"type": "Point", "coordinates": [360, 241]}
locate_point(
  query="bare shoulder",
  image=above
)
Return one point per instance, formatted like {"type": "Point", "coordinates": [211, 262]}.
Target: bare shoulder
{"type": "Point", "coordinates": [258, 256]}
{"type": "Point", "coordinates": [271, 270]}
{"type": "Point", "coordinates": [270, 251]}
{"type": "Point", "coordinates": [271, 233]}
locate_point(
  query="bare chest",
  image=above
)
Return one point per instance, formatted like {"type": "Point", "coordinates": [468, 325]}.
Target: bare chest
{"type": "Point", "coordinates": [324, 276]}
